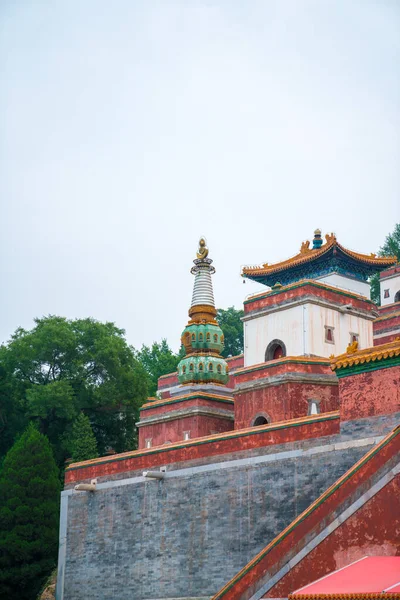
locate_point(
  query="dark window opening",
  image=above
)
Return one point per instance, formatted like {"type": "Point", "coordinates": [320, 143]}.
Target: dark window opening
{"type": "Point", "coordinates": [397, 297]}
{"type": "Point", "coordinates": [275, 349]}
{"type": "Point", "coordinates": [329, 334]}
{"type": "Point", "coordinates": [260, 421]}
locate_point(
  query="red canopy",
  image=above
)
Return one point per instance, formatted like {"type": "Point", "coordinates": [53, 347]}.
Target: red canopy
{"type": "Point", "coordinates": [369, 574]}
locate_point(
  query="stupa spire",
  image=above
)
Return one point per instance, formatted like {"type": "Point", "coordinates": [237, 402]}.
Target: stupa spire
{"type": "Point", "coordinates": [202, 270]}
{"type": "Point", "coordinates": [202, 338]}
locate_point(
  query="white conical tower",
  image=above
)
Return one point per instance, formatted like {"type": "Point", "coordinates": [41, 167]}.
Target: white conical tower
{"type": "Point", "coordinates": [202, 289]}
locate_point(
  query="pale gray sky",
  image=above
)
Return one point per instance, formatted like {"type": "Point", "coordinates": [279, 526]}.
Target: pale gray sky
{"type": "Point", "coordinates": [130, 128]}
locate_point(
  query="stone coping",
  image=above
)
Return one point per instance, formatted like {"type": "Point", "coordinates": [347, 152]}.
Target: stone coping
{"type": "Point", "coordinates": [190, 396]}
{"type": "Point", "coordinates": [302, 360]}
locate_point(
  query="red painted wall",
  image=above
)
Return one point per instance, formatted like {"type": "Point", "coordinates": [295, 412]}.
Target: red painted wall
{"type": "Point", "coordinates": [278, 433]}
{"type": "Point", "coordinates": [173, 431]}
{"type": "Point", "coordinates": [283, 402]}
{"type": "Point", "coordinates": [371, 531]}
{"type": "Point", "coordinates": [165, 382]}
{"type": "Point", "coordinates": [160, 408]}
{"type": "Point", "coordinates": [390, 322]}
{"type": "Point", "coordinates": [388, 308]}
{"type": "Point", "coordinates": [390, 337]}
{"type": "Point", "coordinates": [307, 289]}
{"type": "Point", "coordinates": [371, 393]}
{"type": "Point", "coordinates": [287, 400]}
{"type": "Point", "coordinates": [389, 272]}
{"type": "Point", "coordinates": [287, 364]}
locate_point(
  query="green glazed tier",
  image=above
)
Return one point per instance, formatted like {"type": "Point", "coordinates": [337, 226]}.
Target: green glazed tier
{"type": "Point", "coordinates": [203, 336]}
{"type": "Point", "coordinates": [203, 368]}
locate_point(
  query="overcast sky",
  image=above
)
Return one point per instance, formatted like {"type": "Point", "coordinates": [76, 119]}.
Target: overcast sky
{"type": "Point", "coordinates": [131, 128]}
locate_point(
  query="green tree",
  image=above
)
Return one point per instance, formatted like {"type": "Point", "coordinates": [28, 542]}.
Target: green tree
{"type": "Point", "coordinates": [230, 322]}
{"type": "Point", "coordinates": [12, 417]}
{"type": "Point", "coordinates": [82, 442]}
{"type": "Point", "coordinates": [157, 361]}
{"type": "Point", "coordinates": [29, 506]}
{"type": "Point", "coordinates": [391, 247]}
{"type": "Point", "coordinates": [62, 367]}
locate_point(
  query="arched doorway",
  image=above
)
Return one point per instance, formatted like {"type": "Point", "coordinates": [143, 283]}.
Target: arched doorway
{"type": "Point", "coordinates": [260, 419]}
{"type": "Point", "coordinates": [275, 349]}
{"type": "Point", "coordinates": [397, 296]}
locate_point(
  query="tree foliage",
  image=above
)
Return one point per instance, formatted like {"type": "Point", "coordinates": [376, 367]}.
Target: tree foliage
{"type": "Point", "coordinates": [62, 367]}
{"type": "Point", "coordinates": [82, 442]}
{"type": "Point", "coordinates": [29, 508]}
{"type": "Point", "coordinates": [391, 247]}
{"type": "Point", "coordinates": [230, 322]}
{"type": "Point", "coordinates": [157, 361]}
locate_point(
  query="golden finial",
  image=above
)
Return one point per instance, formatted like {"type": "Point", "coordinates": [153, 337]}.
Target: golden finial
{"type": "Point", "coordinates": [203, 250]}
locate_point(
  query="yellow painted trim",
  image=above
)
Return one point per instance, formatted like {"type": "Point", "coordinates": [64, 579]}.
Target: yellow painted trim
{"type": "Point", "coordinates": [383, 351]}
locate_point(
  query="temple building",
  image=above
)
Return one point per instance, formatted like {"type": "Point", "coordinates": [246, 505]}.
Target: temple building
{"type": "Point", "coordinates": [256, 475]}
{"type": "Point", "coordinates": [318, 303]}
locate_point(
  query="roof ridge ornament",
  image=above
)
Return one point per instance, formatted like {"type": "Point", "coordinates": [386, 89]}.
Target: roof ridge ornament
{"type": "Point", "coordinates": [330, 238]}
{"type": "Point", "coordinates": [305, 247]}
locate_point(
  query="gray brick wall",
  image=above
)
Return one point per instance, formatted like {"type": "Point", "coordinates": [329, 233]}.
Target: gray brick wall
{"type": "Point", "coordinates": [187, 535]}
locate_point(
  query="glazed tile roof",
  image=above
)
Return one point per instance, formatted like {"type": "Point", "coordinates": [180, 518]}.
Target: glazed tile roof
{"type": "Point", "coordinates": [308, 255]}
{"type": "Point", "coordinates": [353, 356]}
{"type": "Point", "coordinates": [368, 575]}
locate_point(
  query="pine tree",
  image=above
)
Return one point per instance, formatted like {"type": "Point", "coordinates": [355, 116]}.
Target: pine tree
{"type": "Point", "coordinates": [83, 445]}
{"type": "Point", "coordinates": [29, 510]}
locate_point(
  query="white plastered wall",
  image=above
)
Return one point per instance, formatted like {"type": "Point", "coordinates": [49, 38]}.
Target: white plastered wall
{"type": "Point", "coordinates": [344, 324]}
{"type": "Point", "coordinates": [393, 285]}
{"type": "Point", "coordinates": [302, 329]}
{"type": "Point", "coordinates": [346, 283]}
{"type": "Point", "coordinates": [285, 325]}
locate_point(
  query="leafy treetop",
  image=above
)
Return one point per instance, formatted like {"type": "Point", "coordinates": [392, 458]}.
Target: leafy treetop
{"type": "Point", "coordinates": [230, 322]}
{"type": "Point", "coordinates": [61, 367]}
{"type": "Point", "coordinates": [157, 361]}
